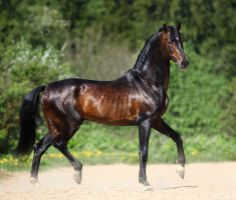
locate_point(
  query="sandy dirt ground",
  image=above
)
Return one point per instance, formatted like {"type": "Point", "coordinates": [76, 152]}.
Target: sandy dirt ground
{"type": "Point", "coordinates": [203, 181]}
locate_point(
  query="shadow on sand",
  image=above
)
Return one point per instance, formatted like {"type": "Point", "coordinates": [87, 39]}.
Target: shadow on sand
{"type": "Point", "coordinates": [179, 187]}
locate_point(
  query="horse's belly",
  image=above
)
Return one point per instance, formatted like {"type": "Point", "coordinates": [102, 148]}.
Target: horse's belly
{"type": "Point", "coordinates": [113, 115]}
{"type": "Point", "coordinates": [112, 122]}
{"type": "Point", "coordinates": [115, 111]}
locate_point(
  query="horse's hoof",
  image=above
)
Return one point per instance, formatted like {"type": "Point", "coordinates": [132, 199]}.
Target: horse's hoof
{"type": "Point", "coordinates": [181, 171]}
{"type": "Point", "coordinates": [144, 182]}
{"type": "Point", "coordinates": [148, 188]}
{"type": "Point", "coordinates": [78, 177]}
{"type": "Point", "coordinates": [34, 182]}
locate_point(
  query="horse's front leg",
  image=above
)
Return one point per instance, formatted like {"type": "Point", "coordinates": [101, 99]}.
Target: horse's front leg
{"type": "Point", "coordinates": [161, 126]}
{"type": "Point", "coordinates": [144, 133]}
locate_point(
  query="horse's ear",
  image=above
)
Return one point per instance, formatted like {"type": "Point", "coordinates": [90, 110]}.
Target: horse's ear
{"type": "Point", "coordinates": [178, 26]}
{"type": "Point", "coordinates": [164, 27]}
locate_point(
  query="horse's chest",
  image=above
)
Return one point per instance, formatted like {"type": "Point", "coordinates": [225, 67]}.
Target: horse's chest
{"type": "Point", "coordinates": [164, 106]}
{"type": "Point", "coordinates": [152, 101]}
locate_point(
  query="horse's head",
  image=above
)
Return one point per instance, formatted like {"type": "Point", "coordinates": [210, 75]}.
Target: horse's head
{"type": "Point", "coordinates": [173, 45]}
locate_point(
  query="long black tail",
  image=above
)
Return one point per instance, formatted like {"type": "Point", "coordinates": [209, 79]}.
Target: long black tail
{"type": "Point", "coordinates": [28, 115]}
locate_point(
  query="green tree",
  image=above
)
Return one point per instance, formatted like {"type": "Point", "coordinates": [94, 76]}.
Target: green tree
{"type": "Point", "coordinates": [22, 69]}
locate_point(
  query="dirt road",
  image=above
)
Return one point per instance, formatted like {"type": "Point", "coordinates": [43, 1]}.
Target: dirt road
{"type": "Point", "coordinates": [203, 181]}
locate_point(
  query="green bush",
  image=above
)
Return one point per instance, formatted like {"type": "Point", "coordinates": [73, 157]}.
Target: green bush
{"type": "Point", "coordinates": [195, 97]}
{"type": "Point", "coordinates": [229, 106]}
{"type": "Point", "coordinates": [22, 69]}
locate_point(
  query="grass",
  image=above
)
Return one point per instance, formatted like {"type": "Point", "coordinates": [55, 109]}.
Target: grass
{"type": "Point", "coordinates": [95, 144]}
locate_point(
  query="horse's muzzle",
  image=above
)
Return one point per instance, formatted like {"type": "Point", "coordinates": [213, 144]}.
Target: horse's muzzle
{"type": "Point", "coordinates": [184, 64]}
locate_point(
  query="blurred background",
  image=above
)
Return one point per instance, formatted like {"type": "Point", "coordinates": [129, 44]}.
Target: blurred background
{"type": "Point", "coordinates": [44, 41]}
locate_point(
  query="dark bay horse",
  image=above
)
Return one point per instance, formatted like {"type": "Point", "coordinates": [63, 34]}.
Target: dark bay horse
{"type": "Point", "coordinates": [138, 98]}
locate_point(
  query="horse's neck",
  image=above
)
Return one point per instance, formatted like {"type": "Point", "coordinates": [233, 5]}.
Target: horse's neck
{"type": "Point", "coordinates": [155, 69]}
{"type": "Point", "coordinates": [152, 63]}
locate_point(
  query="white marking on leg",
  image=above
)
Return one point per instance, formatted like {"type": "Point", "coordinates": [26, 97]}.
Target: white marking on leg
{"type": "Point", "coordinates": [181, 171]}
{"type": "Point", "coordinates": [147, 188]}
{"type": "Point", "coordinates": [78, 176]}
{"type": "Point", "coordinates": [34, 182]}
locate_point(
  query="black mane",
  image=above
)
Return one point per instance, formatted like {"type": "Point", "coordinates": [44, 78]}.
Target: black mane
{"type": "Point", "coordinates": [145, 51]}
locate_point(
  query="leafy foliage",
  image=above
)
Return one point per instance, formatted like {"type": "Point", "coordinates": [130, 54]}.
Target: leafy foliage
{"type": "Point", "coordinates": [229, 106]}
{"type": "Point", "coordinates": [22, 69]}
{"type": "Point", "coordinates": [195, 97]}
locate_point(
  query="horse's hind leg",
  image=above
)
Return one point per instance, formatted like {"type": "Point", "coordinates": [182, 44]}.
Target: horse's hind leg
{"type": "Point", "coordinates": [165, 129]}
{"type": "Point", "coordinates": [39, 149]}
{"type": "Point", "coordinates": [62, 146]}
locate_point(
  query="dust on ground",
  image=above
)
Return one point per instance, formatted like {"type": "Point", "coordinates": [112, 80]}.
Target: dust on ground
{"type": "Point", "coordinates": [203, 181]}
